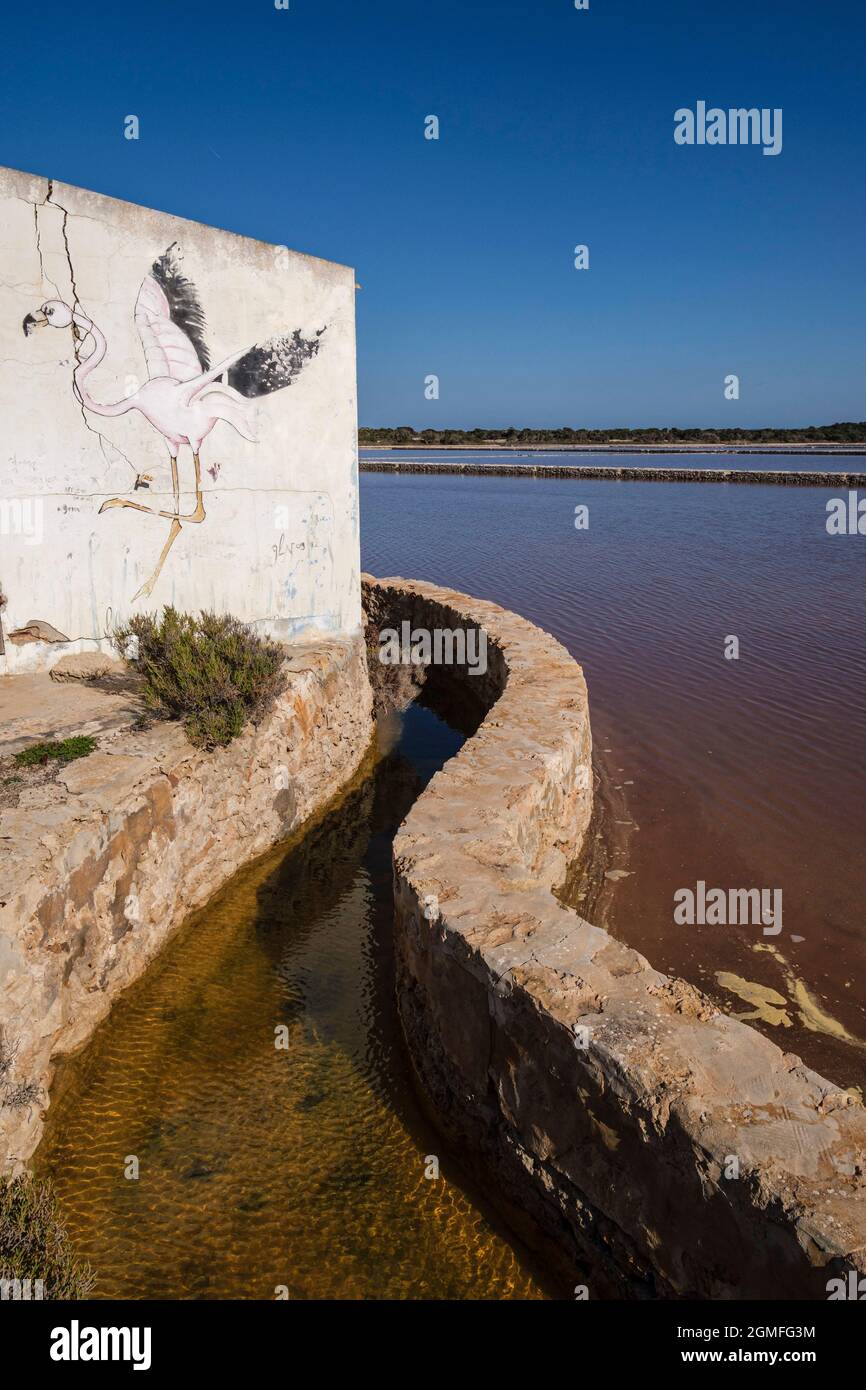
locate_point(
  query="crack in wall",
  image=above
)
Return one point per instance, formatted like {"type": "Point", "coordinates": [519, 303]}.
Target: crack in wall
{"type": "Point", "coordinates": [311, 524]}
{"type": "Point", "coordinates": [76, 303]}
{"type": "Point", "coordinates": [45, 278]}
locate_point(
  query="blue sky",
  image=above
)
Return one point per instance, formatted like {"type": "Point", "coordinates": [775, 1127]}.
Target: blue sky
{"type": "Point", "coordinates": [306, 127]}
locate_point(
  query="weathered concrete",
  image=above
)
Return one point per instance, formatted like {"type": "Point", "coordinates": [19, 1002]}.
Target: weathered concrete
{"type": "Point", "coordinates": [38, 708]}
{"type": "Point", "coordinates": [631, 473]}
{"type": "Point", "coordinates": [88, 439]}
{"type": "Point", "coordinates": [617, 1149]}
{"type": "Point", "coordinates": [101, 865]}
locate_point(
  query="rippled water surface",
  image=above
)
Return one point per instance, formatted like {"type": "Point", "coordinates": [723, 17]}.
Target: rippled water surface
{"type": "Point", "coordinates": [304, 1166]}
{"type": "Point", "coordinates": [746, 773]}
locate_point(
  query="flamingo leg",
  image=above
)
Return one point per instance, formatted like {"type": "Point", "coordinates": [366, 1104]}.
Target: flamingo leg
{"type": "Point", "coordinates": [122, 502]}
{"type": "Point", "coordinates": [199, 513]}
{"type": "Point", "coordinates": [195, 516]}
{"type": "Point", "coordinates": [147, 588]}
{"type": "Point", "coordinates": [175, 482]}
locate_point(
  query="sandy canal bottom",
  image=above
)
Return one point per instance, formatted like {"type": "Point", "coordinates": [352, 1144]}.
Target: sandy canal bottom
{"type": "Point", "coordinates": [302, 1167]}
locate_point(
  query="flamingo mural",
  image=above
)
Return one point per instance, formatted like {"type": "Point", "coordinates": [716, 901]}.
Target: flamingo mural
{"type": "Point", "coordinates": [184, 396]}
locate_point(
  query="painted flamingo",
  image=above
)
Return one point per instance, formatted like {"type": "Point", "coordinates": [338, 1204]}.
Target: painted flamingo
{"type": "Point", "coordinates": [184, 396]}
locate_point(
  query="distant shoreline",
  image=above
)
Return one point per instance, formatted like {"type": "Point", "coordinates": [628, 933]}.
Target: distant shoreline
{"type": "Point", "coordinates": [769, 477]}
{"type": "Point", "coordinates": [690, 448]}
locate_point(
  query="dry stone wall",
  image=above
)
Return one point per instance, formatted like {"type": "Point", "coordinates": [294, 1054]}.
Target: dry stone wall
{"type": "Point", "coordinates": [601, 1100]}
{"type": "Point", "coordinates": [102, 865]}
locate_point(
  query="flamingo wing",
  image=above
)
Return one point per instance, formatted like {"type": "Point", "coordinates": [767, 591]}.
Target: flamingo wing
{"type": "Point", "coordinates": [170, 321]}
{"type": "Point", "coordinates": [271, 365]}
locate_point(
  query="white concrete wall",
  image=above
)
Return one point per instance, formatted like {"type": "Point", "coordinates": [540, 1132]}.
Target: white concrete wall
{"type": "Point", "coordinates": [279, 542]}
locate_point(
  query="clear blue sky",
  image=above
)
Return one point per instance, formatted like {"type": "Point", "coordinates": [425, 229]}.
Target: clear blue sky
{"type": "Point", "coordinates": [306, 127]}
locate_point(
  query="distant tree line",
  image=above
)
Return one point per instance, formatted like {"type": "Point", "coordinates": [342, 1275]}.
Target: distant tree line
{"type": "Point", "coordinates": [847, 432]}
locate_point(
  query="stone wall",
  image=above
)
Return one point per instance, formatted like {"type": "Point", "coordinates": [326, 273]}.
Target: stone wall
{"type": "Point", "coordinates": [163, 338]}
{"type": "Point", "coordinates": [601, 1101]}
{"type": "Point", "coordinates": [102, 865]}
{"type": "Point", "coordinates": [630, 473]}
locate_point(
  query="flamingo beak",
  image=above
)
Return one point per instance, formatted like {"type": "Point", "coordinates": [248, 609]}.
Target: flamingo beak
{"type": "Point", "coordinates": [37, 320]}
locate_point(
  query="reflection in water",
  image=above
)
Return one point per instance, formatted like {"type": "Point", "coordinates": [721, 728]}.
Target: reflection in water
{"type": "Point", "coordinates": [302, 1166]}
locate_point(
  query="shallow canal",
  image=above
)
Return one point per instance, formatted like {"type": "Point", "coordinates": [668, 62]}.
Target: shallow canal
{"type": "Point", "coordinates": [300, 1166]}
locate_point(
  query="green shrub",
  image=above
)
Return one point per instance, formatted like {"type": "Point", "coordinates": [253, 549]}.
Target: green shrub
{"type": "Point", "coordinates": [14, 1094]}
{"type": "Point", "coordinates": [34, 1243]}
{"type": "Point", "coordinates": [65, 752]}
{"type": "Point", "coordinates": [212, 672]}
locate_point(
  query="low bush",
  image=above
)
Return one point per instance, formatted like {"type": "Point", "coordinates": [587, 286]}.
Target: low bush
{"type": "Point", "coordinates": [213, 672]}
{"type": "Point", "coordinates": [34, 1243]}
{"type": "Point", "coordinates": [14, 1094]}
{"type": "Point", "coordinates": [64, 752]}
